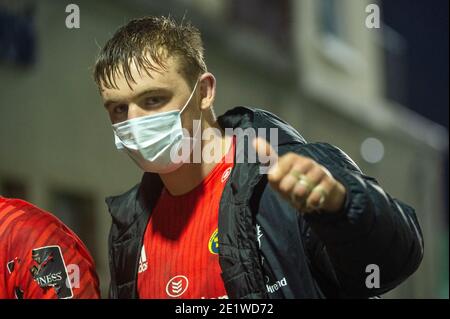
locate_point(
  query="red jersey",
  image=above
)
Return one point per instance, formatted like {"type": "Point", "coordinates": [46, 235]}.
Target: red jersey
{"type": "Point", "coordinates": [179, 257]}
{"type": "Point", "coordinates": [40, 257]}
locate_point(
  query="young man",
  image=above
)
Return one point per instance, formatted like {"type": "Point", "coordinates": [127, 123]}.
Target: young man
{"type": "Point", "coordinates": [40, 258]}
{"type": "Point", "coordinates": [314, 227]}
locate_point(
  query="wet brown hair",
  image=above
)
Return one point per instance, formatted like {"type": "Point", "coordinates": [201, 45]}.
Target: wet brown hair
{"type": "Point", "coordinates": [148, 42]}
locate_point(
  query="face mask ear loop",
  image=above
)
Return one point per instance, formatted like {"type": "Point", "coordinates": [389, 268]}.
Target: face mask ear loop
{"type": "Point", "coordinates": [199, 127]}
{"type": "Point", "coordinates": [190, 97]}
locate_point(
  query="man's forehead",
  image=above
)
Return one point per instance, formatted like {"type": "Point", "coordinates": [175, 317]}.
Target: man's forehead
{"type": "Point", "coordinates": [144, 79]}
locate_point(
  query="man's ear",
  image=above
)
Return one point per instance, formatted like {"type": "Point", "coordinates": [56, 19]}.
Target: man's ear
{"type": "Point", "coordinates": [207, 83]}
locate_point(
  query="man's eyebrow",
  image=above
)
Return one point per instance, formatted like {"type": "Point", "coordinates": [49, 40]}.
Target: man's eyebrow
{"type": "Point", "coordinates": [108, 103]}
{"type": "Point", "coordinates": [150, 91]}
{"type": "Point", "coordinates": [138, 95]}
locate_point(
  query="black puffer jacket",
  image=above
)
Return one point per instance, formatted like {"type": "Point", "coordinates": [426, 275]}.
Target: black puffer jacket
{"type": "Point", "coordinates": [267, 249]}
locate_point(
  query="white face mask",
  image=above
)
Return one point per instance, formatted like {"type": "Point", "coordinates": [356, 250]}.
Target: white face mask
{"type": "Point", "coordinates": [154, 141]}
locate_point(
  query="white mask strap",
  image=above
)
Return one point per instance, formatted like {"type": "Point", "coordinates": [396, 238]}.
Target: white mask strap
{"type": "Point", "coordinates": [190, 97]}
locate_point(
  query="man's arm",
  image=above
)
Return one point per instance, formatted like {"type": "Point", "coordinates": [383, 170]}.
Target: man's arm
{"type": "Point", "coordinates": [370, 229]}
{"type": "Point", "coordinates": [373, 229]}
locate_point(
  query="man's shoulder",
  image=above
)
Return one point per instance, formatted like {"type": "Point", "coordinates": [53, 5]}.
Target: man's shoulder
{"type": "Point", "coordinates": [22, 221]}
{"type": "Point", "coordinates": [257, 118]}
{"type": "Point", "coordinates": [14, 209]}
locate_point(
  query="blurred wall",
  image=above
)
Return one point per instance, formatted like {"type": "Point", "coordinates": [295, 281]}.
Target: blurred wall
{"type": "Point", "coordinates": [57, 142]}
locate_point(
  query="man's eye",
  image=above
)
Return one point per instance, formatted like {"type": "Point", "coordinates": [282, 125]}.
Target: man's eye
{"type": "Point", "coordinates": [153, 100]}
{"type": "Point", "coordinates": [119, 109]}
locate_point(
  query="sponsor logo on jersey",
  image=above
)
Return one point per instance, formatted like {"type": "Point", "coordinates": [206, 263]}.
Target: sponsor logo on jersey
{"type": "Point", "coordinates": [220, 297]}
{"type": "Point", "coordinates": [177, 286]}
{"type": "Point", "coordinates": [273, 288]}
{"type": "Point", "coordinates": [50, 271]}
{"type": "Point", "coordinates": [11, 264]}
{"type": "Point", "coordinates": [213, 244]}
{"type": "Point", "coordinates": [226, 174]}
{"type": "Point", "coordinates": [143, 265]}
{"type": "Point", "coordinates": [259, 234]}
{"type": "Point", "coordinates": [18, 293]}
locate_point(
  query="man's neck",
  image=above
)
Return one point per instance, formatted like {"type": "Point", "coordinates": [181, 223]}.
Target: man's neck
{"type": "Point", "coordinates": [190, 175]}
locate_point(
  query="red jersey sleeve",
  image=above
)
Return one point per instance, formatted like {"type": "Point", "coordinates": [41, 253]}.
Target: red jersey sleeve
{"type": "Point", "coordinates": [41, 258]}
